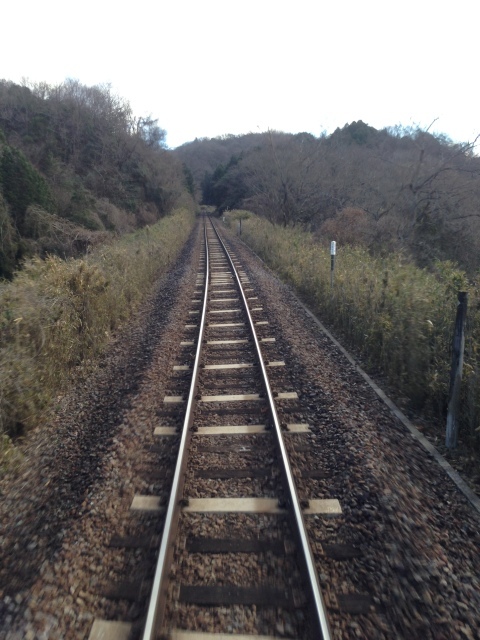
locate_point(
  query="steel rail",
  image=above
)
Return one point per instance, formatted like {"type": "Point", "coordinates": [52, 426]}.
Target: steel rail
{"type": "Point", "coordinates": [157, 599]}
{"type": "Point", "coordinates": [320, 616]}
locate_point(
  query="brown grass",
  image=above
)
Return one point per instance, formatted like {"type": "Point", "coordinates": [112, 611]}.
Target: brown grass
{"type": "Point", "coordinates": [399, 317]}
{"type": "Point", "coordinates": [57, 314]}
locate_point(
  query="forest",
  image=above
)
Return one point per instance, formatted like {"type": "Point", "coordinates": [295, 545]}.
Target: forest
{"type": "Point", "coordinates": [386, 190]}
{"type": "Point", "coordinates": [77, 168]}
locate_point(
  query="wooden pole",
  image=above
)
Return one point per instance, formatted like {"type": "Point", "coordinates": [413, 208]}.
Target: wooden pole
{"type": "Point", "coordinates": [451, 437]}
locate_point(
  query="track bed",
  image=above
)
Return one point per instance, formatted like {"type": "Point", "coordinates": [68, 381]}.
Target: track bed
{"type": "Point", "coordinates": [399, 561]}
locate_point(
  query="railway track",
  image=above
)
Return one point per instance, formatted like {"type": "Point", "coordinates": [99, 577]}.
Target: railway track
{"type": "Point", "coordinates": [233, 567]}
{"type": "Point", "coordinates": [234, 556]}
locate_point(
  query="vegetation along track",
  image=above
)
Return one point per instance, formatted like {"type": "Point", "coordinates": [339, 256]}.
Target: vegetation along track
{"type": "Point", "coordinates": [399, 561]}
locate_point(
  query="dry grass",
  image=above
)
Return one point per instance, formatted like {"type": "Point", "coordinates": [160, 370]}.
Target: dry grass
{"type": "Point", "coordinates": [398, 317]}
{"type": "Point", "coordinates": [57, 314]}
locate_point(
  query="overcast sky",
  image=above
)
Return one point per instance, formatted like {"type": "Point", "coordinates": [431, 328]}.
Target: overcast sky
{"type": "Point", "coordinates": [210, 67]}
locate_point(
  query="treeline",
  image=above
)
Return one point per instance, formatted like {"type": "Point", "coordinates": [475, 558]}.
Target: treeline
{"type": "Point", "coordinates": [386, 190]}
{"type": "Point", "coordinates": [76, 166]}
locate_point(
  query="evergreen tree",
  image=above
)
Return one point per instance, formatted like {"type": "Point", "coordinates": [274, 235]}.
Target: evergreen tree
{"type": "Point", "coordinates": [22, 185]}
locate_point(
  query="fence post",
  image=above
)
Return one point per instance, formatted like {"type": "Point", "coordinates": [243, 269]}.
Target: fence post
{"type": "Point", "coordinates": [456, 371]}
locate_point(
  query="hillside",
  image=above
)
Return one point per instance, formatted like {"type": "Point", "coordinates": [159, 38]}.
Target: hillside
{"type": "Point", "coordinates": [388, 190]}
{"type": "Point", "coordinates": [76, 167]}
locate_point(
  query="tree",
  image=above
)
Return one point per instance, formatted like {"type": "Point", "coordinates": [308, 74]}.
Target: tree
{"type": "Point", "coordinates": [150, 132]}
{"type": "Point", "coordinates": [189, 181]}
{"type": "Point", "coordinates": [225, 187]}
{"type": "Point", "coordinates": [9, 242]}
{"type": "Point", "coordinates": [285, 179]}
{"type": "Point", "coordinates": [22, 185]}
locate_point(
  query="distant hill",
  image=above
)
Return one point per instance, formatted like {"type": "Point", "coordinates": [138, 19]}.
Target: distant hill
{"type": "Point", "coordinates": [392, 189]}
{"type": "Point", "coordinates": [76, 167]}
{"type": "Point", "coordinates": [204, 155]}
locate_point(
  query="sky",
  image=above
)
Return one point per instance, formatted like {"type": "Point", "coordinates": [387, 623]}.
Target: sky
{"type": "Point", "coordinates": [206, 68]}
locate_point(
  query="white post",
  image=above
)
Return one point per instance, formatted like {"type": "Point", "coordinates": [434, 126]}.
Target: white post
{"type": "Point", "coordinates": [333, 253]}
